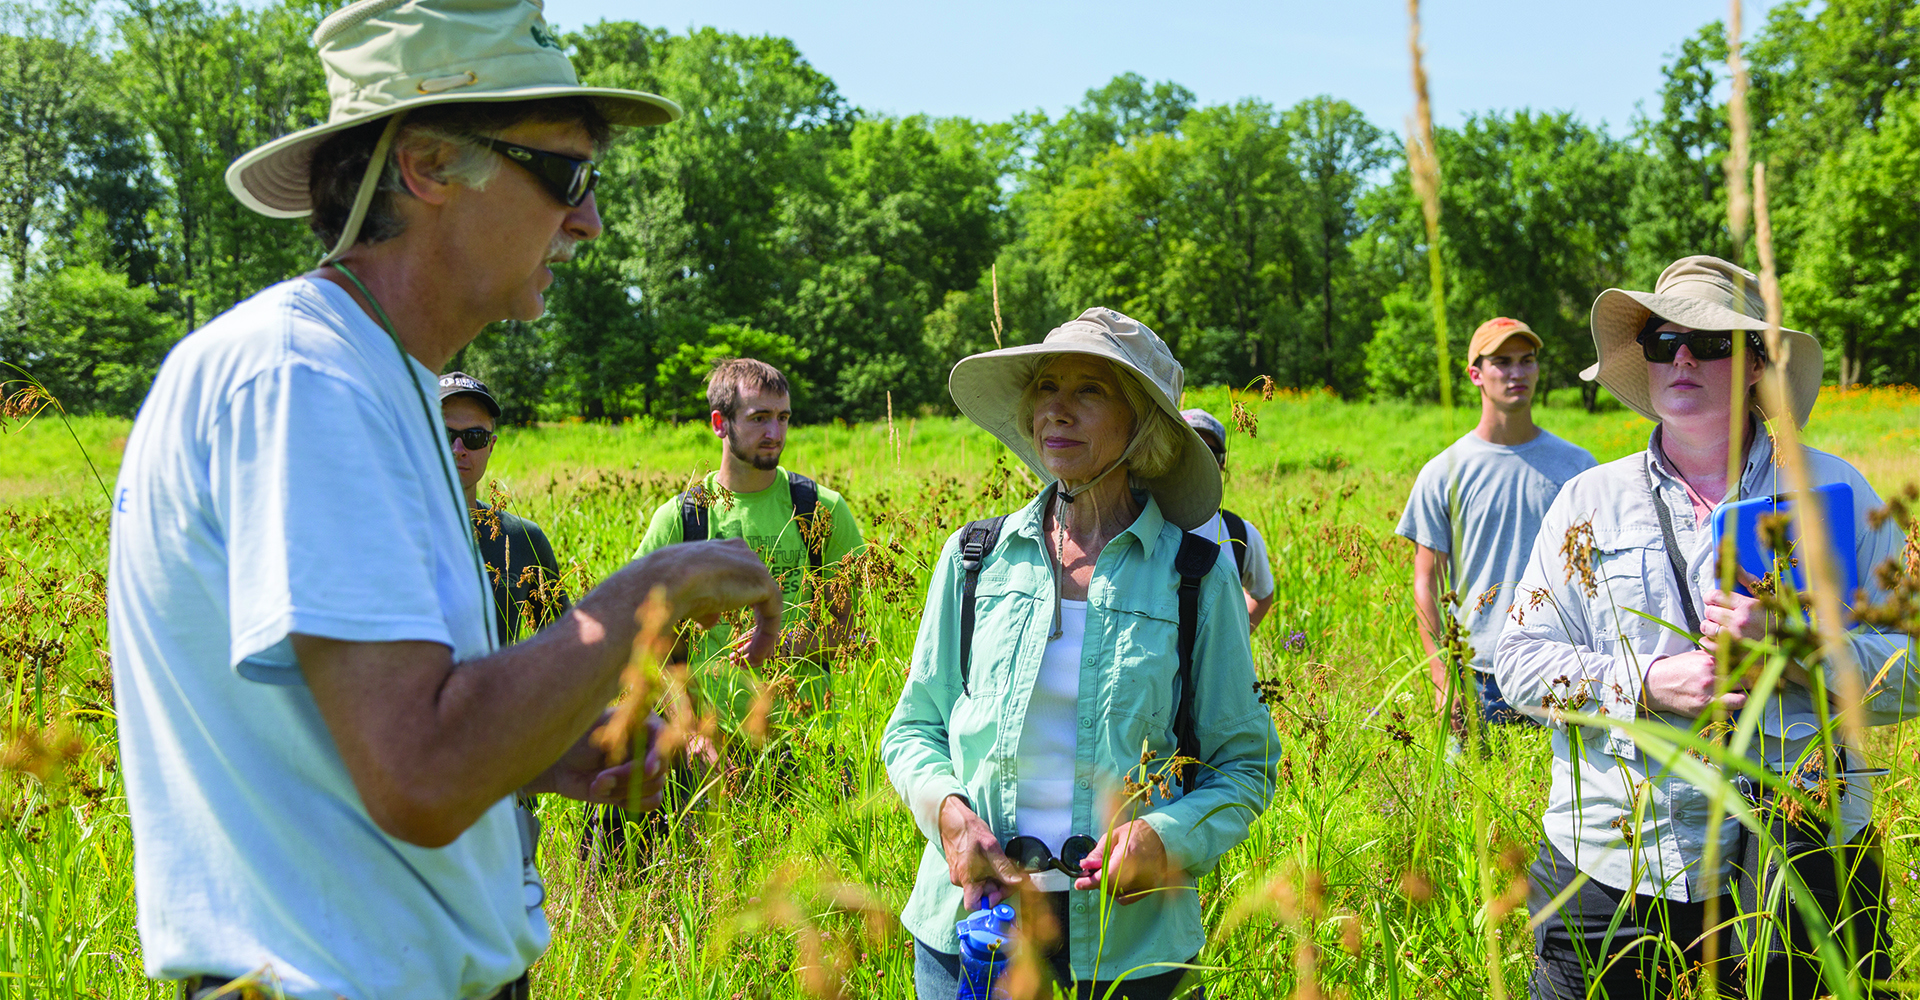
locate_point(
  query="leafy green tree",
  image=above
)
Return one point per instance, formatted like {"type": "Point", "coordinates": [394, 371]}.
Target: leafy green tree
{"type": "Point", "coordinates": [51, 82]}
{"type": "Point", "coordinates": [1338, 150]}
{"type": "Point", "coordinates": [93, 340]}
{"type": "Point", "coordinates": [680, 383]}
{"type": "Point", "coordinates": [1857, 281]}
{"type": "Point", "coordinates": [209, 83]}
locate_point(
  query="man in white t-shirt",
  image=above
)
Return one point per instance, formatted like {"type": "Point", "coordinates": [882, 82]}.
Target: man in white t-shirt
{"type": "Point", "coordinates": [321, 741]}
{"type": "Point", "coordinates": [1249, 550]}
{"type": "Point", "coordinates": [1475, 509]}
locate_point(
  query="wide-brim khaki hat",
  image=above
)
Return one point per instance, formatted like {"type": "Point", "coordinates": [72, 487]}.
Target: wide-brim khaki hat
{"type": "Point", "coordinates": [988, 387]}
{"type": "Point", "coordinates": [1704, 293]}
{"type": "Point", "coordinates": [387, 56]}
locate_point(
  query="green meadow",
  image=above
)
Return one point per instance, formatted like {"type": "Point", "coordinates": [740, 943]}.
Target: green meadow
{"type": "Point", "coordinates": [1384, 867]}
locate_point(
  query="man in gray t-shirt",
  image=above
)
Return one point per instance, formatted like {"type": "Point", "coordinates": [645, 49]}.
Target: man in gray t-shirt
{"type": "Point", "coordinates": [1476, 508]}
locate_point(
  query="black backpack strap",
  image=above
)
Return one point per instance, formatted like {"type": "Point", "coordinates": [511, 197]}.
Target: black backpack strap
{"type": "Point", "coordinates": [1237, 532]}
{"type": "Point", "coordinates": [805, 494]}
{"type": "Point", "coordinates": [1194, 561]}
{"type": "Point", "coordinates": [693, 518]}
{"type": "Point", "coordinates": [977, 541]}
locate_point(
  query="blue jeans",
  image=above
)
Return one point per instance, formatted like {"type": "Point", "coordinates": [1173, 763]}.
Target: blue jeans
{"type": "Point", "coordinates": [1494, 709]}
{"type": "Point", "coordinates": [936, 974]}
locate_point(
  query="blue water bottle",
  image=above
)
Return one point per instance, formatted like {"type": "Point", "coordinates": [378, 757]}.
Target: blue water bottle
{"type": "Point", "coordinates": [984, 947]}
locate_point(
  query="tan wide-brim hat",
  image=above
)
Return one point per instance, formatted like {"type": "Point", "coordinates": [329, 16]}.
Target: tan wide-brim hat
{"type": "Point", "coordinates": [385, 56]}
{"type": "Point", "coordinates": [1703, 293]}
{"type": "Point", "coordinates": [988, 387]}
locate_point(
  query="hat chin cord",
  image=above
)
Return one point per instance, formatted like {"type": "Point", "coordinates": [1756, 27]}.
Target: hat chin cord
{"type": "Point", "coordinates": [369, 183]}
{"type": "Point", "coordinates": [1069, 495]}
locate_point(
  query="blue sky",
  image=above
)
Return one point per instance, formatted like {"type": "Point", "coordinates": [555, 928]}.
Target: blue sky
{"type": "Point", "coordinates": [990, 58]}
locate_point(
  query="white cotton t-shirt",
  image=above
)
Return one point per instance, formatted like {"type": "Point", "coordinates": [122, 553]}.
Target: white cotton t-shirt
{"type": "Point", "coordinates": [282, 477]}
{"type": "Point", "coordinates": [1257, 578]}
{"type": "Point", "coordinates": [1049, 738]}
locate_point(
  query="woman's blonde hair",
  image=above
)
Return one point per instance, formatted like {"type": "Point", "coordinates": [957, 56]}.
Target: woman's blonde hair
{"type": "Point", "coordinates": [1159, 448]}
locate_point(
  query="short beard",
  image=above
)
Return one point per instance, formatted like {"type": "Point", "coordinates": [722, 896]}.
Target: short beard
{"type": "Point", "coordinates": [753, 458]}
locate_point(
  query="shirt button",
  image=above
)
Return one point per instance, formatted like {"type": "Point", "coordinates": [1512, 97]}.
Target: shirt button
{"type": "Point", "coordinates": [1083, 783]}
{"type": "Point", "coordinates": [1086, 723]}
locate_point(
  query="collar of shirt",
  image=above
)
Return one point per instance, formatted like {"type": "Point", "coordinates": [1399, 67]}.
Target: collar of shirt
{"type": "Point", "coordinates": [1031, 521]}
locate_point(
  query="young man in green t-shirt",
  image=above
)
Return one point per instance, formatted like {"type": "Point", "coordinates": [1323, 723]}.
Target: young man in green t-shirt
{"type": "Point", "coordinates": [751, 496]}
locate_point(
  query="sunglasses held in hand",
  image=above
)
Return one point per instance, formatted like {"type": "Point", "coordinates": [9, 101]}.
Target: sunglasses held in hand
{"type": "Point", "coordinates": [1046, 871]}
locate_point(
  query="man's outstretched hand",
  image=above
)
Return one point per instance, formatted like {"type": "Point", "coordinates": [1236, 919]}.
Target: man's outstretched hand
{"type": "Point", "coordinates": [705, 580]}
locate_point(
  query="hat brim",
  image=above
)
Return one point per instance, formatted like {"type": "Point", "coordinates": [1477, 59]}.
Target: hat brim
{"type": "Point", "coordinates": [987, 389]}
{"type": "Point", "coordinates": [272, 179]}
{"type": "Point", "coordinates": [1619, 314]}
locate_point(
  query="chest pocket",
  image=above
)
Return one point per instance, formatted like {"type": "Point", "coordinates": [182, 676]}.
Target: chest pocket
{"type": "Point", "coordinates": [1145, 657]}
{"type": "Point", "coordinates": [1629, 571]}
{"type": "Point", "coordinates": [1003, 613]}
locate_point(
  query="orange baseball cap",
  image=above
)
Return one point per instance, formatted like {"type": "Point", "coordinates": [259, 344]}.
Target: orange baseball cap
{"type": "Point", "coordinates": [1495, 332]}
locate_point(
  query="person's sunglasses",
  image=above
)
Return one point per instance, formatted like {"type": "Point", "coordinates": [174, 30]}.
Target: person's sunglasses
{"type": "Point", "coordinates": [569, 179]}
{"type": "Point", "coordinates": [1033, 855]}
{"type": "Point", "coordinates": [1662, 346]}
{"type": "Point", "coordinates": [475, 438]}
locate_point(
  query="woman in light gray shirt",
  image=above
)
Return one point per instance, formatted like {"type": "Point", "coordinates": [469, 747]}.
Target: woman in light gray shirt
{"type": "Point", "coordinates": [1618, 812]}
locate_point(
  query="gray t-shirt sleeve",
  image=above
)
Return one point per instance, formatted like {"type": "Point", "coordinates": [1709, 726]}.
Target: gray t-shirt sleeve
{"type": "Point", "coordinates": [1426, 519]}
{"type": "Point", "coordinates": [1257, 581]}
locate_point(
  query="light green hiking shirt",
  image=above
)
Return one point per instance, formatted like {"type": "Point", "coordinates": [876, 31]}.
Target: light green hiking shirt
{"type": "Point", "coordinates": [943, 742]}
{"type": "Point", "coordinates": [765, 519]}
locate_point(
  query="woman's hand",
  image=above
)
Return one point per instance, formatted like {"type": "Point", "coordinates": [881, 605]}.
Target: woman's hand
{"type": "Point", "coordinates": [1129, 861]}
{"type": "Point", "coordinates": [975, 862]}
{"type": "Point", "coordinates": [1734, 614]}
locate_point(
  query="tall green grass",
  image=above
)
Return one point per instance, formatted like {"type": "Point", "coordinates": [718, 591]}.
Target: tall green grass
{"type": "Point", "coordinates": [1381, 869]}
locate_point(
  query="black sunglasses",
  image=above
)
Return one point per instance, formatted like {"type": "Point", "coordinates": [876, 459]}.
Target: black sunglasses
{"type": "Point", "coordinates": [475, 438]}
{"type": "Point", "coordinates": [1661, 346]}
{"type": "Point", "coordinates": [1032, 854]}
{"type": "Point", "coordinates": [569, 179]}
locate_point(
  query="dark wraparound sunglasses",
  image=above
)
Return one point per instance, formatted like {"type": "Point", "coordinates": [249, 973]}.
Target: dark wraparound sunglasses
{"type": "Point", "coordinates": [1033, 855]}
{"type": "Point", "coordinates": [475, 438]}
{"type": "Point", "coordinates": [1662, 346]}
{"type": "Point", "coordinates": [570, 179]}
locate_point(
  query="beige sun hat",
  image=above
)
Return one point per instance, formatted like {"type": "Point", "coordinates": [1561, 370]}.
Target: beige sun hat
{"type": "Point", "coordinates": [987, 388]}
{"type": "Point", "coordinates": [1704, 293]}
{"type": "Point", "coordinates": [387, 56]}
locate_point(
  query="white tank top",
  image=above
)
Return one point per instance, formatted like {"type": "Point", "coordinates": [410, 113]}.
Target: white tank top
{"type": "Point", "coordinates": [1050, 736]}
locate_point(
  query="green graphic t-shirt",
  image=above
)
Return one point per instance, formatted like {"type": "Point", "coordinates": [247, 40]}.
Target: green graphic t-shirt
{"type": "Point", "coordinates": [765, 519]}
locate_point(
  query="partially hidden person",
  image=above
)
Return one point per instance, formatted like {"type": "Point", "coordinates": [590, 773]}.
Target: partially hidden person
{"type": "Point", "coordinates": [1628, 546]}
{"type": "Point", "coordinates": [1067, 653]}
{"type": "Point", "coordinates": [1473, 514]}
{"type": "Point", "coordinates": [1233, 532]}
{"type": "Point", "coordinates": [320, 734]}
{"type": "Point", "coordinates": [521, 566]}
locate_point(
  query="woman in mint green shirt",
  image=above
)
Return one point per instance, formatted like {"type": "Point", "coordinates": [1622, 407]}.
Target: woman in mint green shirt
{"type": "Point", "coordinates": [1071, 680]}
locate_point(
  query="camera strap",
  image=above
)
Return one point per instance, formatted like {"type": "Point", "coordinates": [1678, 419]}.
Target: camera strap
{"type": "Point", "coordinates": [1673, 548]}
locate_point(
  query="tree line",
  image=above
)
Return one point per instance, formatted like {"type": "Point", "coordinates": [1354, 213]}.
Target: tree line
{"type": "Point", "coordinates": [865, 253]}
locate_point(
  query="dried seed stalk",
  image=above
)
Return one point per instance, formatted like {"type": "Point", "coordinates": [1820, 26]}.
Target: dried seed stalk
{"type": "Point", "coordinates": [1423, 164]}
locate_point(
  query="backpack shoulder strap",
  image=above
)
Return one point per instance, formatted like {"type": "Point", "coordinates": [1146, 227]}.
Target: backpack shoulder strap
{"type": "Point", "coordinates": [1194, 561]}
{"type": "Point", "coordinates": [693, 518]}
{"type": "Point", "coordinates": [977, 541]}
{"type": "Point", "coordinates": [1237, 532]}
{"type": "Point", "coordinates": [805, 494]}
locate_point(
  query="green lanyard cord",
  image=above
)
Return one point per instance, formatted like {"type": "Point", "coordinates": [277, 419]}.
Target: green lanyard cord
{"type": "Point", "coordinates": [433, 428]}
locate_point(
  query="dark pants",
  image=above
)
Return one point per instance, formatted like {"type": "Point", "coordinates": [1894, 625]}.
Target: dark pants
{"type": "Point", "coordinates": [936, 974]}
{"type": "Point", "coordinates": [1574, 947]}
{"type": "Point", "coordinates": [208, 987]}
{"type": "Point", "coordinates": [1494, 709]}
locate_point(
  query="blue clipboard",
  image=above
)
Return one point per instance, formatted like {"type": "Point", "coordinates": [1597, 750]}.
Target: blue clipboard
{"type": "Point", "coordinates": [1742, 521]}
